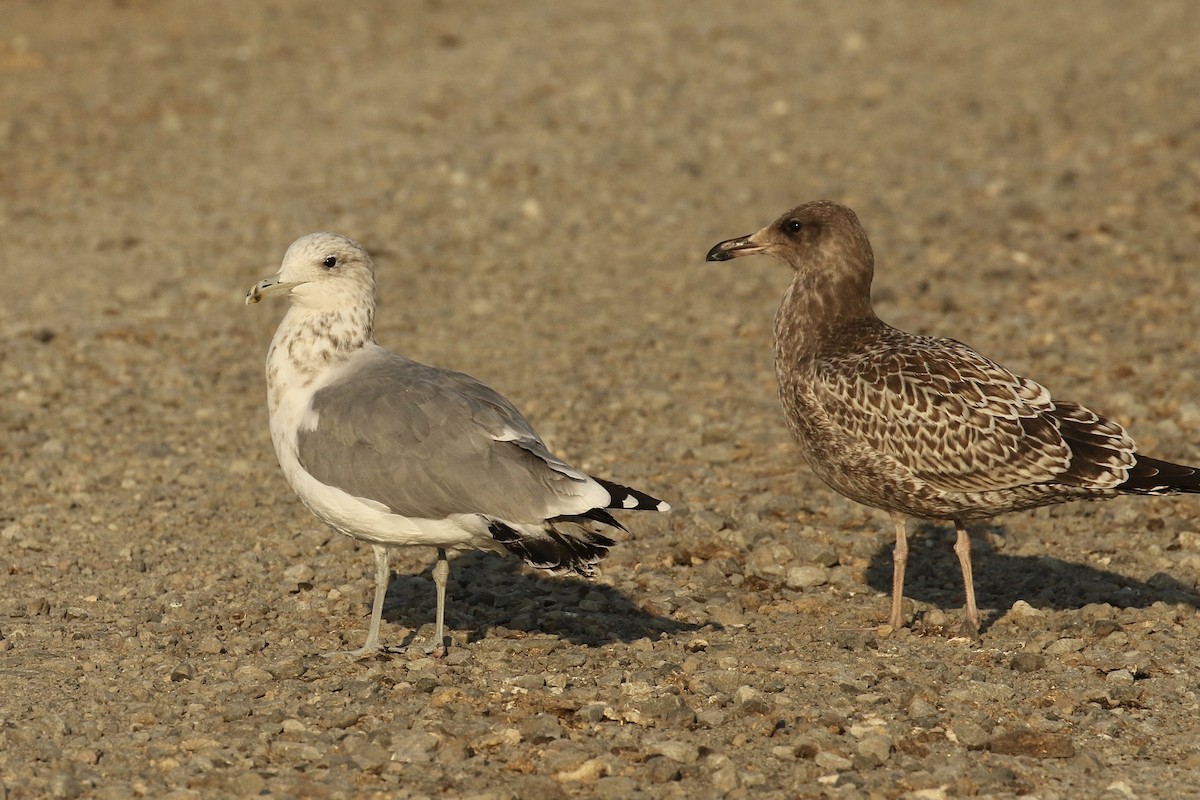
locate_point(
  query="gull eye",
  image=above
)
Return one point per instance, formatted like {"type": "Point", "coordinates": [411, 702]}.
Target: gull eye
{"type": "Point", "coordinates": [792, 227]}
{"type": "Point", "coordinates": [330, 262]}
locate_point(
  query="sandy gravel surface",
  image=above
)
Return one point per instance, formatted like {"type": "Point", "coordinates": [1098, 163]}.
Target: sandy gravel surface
{"type": "Point", "coordinates": [539, 184]}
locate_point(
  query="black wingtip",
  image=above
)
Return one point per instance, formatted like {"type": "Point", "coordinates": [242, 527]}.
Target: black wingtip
{"type": "Point", "coordinates": [624, 497]}
{"type": "Point", "coordinates": [594, 515]}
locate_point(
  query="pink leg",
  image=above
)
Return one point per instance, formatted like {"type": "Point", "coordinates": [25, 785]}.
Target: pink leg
{"type": "Point", "coordinates": [962, 548]}
{"type": "Point", "coordinates": [899, 562]}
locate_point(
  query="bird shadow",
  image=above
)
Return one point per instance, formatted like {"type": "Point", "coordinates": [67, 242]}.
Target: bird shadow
{"type": "Point", "coordinates": [488, 595]}
{"type": "Point", "coordinates": [1044, 582]}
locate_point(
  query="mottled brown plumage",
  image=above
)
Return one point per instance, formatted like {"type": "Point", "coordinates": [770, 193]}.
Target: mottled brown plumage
{"type": "Point", "coordinates": [917, 425]}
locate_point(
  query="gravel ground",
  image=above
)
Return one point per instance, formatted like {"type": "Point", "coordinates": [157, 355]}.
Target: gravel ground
{"type": "Point", "coordinates": [539, 184]}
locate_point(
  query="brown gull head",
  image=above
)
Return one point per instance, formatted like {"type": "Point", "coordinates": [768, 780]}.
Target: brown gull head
{"type": "Point", "coordinates": [826, 245]}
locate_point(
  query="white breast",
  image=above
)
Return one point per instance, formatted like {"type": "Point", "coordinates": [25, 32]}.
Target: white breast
{"type": "Point", "coordinates": [290, 390]}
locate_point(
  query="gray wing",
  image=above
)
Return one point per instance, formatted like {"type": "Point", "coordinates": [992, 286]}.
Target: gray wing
{"type": "Point", "coordinates": [428, 443]}
{"type": "Point", "coordinates": [962, 422]}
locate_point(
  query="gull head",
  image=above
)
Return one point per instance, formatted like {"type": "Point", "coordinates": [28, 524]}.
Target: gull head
{"type": "Point", "coordinates": [321, 271]}
{"type": "Point", "coordinates": [809, 234]}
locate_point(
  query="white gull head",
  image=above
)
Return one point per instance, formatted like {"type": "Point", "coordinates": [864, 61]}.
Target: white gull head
{"type": "Point", "coordinates": [322, 272]}
{"type": "Point", "coordinates": [331, 282]}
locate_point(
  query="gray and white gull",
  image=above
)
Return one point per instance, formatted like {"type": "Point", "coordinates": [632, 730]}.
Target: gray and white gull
{"type": "Point", "coordinates": [397, 453]}
{"type": "Point", "coordinates": [921, 426]}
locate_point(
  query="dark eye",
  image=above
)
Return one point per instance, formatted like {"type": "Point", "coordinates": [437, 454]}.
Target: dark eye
{"type": "Point", "coordinates": [793, 226]}
{"type": "Point", "coordinates": [330, 262]}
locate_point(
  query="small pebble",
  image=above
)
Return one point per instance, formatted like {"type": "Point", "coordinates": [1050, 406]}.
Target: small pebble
{"type": "Point", "coordinates": [832, 761]}
{"type": "Point", "coordinates": [1027, 662]}
{"type": "Point", "coordinates": [807, 577]}
{"type": "Point", "coordinates": [413, 747]}
{"type": "Point", "coordinates": [1033, 744]}
{"type": "Point", "coordinates": [1022, 611]}
{"type": "Point", "coordinates": [877, 746]}
{"type": "Point", "coordinates": [676, 750]}
{"type": "Point", "coordinates": [1064, 646]}
{"type": "Point", "coordinates": [935, 618]}
{"type": "Point", "coordinates": [183, 671]}
{"type": "Point", "coordinates": [1119, 676]}
{"type": "Point", "coordinates": [970, 734]}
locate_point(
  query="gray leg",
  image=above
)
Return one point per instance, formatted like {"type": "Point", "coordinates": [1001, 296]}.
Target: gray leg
{"type": "Point", "coordinates": [381, 585]}
{"type": "Point", "coordinates": [962, 548]}
{"type": "Point", "coordinates": [441, 572]}
{"type": "Point", "coordinates": [899, 562]}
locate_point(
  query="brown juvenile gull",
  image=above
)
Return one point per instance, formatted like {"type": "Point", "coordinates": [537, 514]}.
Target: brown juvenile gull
{"type": "Point", "coordinates": [921, 426]}
{"type": "Point", "coordinates": [395, 453]}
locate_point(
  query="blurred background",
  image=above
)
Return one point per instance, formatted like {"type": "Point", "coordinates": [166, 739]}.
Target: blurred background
{"type": "Point", "coordinates": [539, 184]}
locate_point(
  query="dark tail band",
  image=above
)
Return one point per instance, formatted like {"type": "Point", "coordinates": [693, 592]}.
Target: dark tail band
{"type": "Point", "coordinates": [1151, 476]}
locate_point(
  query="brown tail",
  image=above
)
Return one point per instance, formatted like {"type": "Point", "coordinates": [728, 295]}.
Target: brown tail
{"type": "Point", "coordinates": [1151, 476]}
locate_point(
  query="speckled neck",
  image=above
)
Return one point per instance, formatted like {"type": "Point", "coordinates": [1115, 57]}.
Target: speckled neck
{"type": "Point", "coordinates": [818, 305]}
{"type": "Point", "coordinates": [308, 342]}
